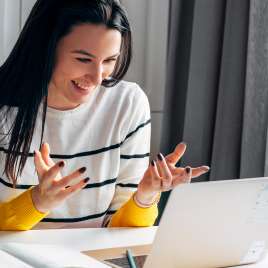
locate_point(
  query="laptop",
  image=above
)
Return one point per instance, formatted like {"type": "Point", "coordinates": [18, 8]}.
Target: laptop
{"type": "Point", "coordinates": [213, 224]}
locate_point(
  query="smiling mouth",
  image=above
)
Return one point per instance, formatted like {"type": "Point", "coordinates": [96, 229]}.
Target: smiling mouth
{"type": "Point", "coordinates": [80, 86]}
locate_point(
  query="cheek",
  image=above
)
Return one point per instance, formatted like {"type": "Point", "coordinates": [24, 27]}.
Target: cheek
{"type": "Point", "coordinates": [67, 70]}
{"type": "Point", "coordinates": [108, 71]}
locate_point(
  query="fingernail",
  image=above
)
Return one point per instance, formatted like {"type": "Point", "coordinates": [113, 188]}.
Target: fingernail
{"type": "Point", "coordinates": [184, 143]}
{"type": "Point", "coordinates": [61, 164]}
{"type": "Point", "coordinates": [207, 168]}
{"type": "Point", "coordinates": [67, 187]}
{"type": "Point", "coordinates": [82, 170]}
{"type": "Point", "coordinates": [160, 157]}
{"type": "Point", "coordinates": [187, 170]}
{"type": "Point", "coordinates": [86, 180]}
{"type": "Point", "coordinates": [152, 163]}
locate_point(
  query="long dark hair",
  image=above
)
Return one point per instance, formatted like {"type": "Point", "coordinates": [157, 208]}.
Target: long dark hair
{"type": "Point", "coordinates": [25, 75]}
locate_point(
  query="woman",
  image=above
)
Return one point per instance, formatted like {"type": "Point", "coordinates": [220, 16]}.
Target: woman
{"type": "Point", "coordinates": [74, 137]}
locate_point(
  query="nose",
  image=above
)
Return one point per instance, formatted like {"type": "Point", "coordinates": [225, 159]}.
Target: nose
{"type": "Point", "coordinates": [96, 74]}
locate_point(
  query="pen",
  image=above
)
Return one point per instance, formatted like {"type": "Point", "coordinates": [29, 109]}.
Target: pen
{"type": "Point", "coordinates": [130, 259]}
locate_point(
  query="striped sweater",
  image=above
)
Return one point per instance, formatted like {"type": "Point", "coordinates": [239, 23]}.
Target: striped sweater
{"type": "Point", "coordinates": [110, 135]}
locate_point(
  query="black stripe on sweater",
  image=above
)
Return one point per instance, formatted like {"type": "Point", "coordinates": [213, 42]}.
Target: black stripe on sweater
{"type": "Point", "coordinates": [99, 184]}
{"type": "Point", "coordinates": [124, 156]}
{"type": "Point", "coordinates": [134, 131]}
{"type": "Point", "coordinates": [85, 218]}
{"type": "Point", "coordinates": [130, 185]}
{"type": "Point", "coordinates": [93, 152]}
{"type": "Point", "coordinates": [18, 186]}
{"type": "Point", "coordinates": [27, 186]}
{"type": "Point", "coordinates": [64, 156]}
{"type": "Point", "coordinates": [111, 212]}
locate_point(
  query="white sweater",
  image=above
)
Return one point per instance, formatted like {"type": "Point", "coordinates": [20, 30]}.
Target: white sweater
{"type": "Point", "coordinates": [110, 136]}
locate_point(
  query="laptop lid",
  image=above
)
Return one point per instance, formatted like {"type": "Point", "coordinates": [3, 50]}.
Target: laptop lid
{"type": "Point", "coordinates": [213, 224]}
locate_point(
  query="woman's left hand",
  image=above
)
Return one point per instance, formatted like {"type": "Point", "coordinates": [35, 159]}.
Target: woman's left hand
{"type": "Point", "coordinates": [163, 175]}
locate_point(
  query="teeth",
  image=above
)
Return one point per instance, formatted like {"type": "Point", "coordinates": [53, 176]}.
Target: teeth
{"type": "Point", "coordinates": [83, 87]}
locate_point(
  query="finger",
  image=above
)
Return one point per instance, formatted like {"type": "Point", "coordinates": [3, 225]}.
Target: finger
{"type": "Point", "coordinates": [185, 177]}
{"type": "Point", "coordinates": [156, 180]}
{"type": "Point", "coordinates": [52, 173]}
{"type": "Point", "coordinates": [45, 151]}
{"type": "Point", "coordinates": [175, 170]}
{"type": "Point", "coordinates": [166, 174]}
{"type": "Point", "coordinates": [39, 163]}
{"type": "Point", "coordinates": [154, 170]}
{"type": "Point", "coordinates": [188, 174]}
{"type": "Point", "coordinates": [73, 189]}
{"type": "Point", "coordinates": [199, 171]}
{"type": "Point", "coordinates": [176, 155]}
{"type": "Point", "coordinates": [67, 180]}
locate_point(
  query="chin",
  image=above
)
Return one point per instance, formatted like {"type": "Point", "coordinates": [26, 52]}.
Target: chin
{"type": "Point", "coordinates": [80, 100]}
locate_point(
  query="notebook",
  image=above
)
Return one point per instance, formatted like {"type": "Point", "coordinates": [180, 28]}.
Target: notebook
{"type": "Point", "coordinates": [23, 255]}
{"type": "Point", "coordinates": [213, 224]}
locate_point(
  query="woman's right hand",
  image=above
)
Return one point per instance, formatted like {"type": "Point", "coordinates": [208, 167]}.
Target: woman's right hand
{"type": "Point", "coordinates": [53, 189]}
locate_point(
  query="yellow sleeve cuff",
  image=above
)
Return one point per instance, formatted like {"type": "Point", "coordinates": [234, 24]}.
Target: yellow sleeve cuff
{"type": "Point", "coordinates": [20, 213]}
{"type": "Point", "coordinates": [131, 215]}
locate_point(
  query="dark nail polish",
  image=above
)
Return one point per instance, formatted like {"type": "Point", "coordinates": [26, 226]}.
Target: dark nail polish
{"type": "Point", "coordinates": [86, 180]}
{"type": "Point", "coordinates": [67, 187]}
{"type": "Point", "coordinates": [153, 163]}
{"type": "Point", "coordinates": [82, 170]}
{"type": "Point", "coordinates": [187, 170]}
{"type": "Point", "coordinates": [61, 164]}
{"type": "Point", "coordinates": [160, 157]}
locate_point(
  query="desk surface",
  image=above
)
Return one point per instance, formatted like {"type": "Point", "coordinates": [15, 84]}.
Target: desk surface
{"type": "Point", "coordinates": [85, 239]}
{"type": "Point", "coordinates": [101, 243]}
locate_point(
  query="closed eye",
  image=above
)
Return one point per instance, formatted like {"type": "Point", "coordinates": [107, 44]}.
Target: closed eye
{"type": "Point", "coordinates": [84, 60]}
{"type": "Point", "coordinates": [110, 60]}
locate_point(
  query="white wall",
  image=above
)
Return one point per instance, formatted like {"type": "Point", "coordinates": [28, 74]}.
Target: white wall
{"type": "Point", "coordinates": [2, 12]}
{"type": "Point", "coordinates": [149, 21]}
{"type": "Point", "coordinates": [10, 21]}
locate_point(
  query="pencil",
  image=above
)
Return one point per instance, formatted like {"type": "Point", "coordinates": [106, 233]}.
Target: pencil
{"type": "Point", "coordinates": [130, 259]}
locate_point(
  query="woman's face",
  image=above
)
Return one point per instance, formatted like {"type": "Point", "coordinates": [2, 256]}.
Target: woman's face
{"type": "Point", "coordinates": [84, 58]}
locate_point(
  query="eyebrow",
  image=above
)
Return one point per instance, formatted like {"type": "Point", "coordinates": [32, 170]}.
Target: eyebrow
{"type": "Point", "coordinates": [85, 53]}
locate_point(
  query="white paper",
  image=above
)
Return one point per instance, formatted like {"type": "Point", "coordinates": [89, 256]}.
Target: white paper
{"type": "Point", "coordinates": [9, 261]}
{"type": "Point", "coordinates": [50, 256]}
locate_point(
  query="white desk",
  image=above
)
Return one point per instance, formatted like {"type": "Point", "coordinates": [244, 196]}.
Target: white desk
{"type": "Point", "coordinates": [84, 239]}
{"type": "Point", "coordinates": [94, 239]}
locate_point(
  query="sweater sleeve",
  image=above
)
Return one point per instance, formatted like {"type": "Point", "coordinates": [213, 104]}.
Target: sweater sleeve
{"type": "Point", "coordinates": [134, 160]}
{"type": "Point", "coordinates": [19, 214]}
{"type": "Point", "coordinates": [131, 215]}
